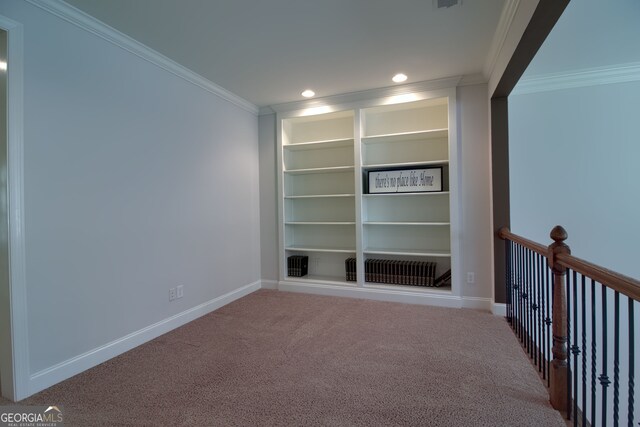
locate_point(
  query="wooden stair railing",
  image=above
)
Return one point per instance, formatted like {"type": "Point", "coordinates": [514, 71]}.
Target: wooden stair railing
{"type": "Point", "coordinates": [537, 274]}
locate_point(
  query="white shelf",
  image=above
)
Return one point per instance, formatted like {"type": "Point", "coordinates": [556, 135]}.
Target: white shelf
{"type": "Point", "coordinates": [407, 164]}
{"type": "Point", "coordinates": [320, 249]}
{"type": "Point", "coordinates": [320, 196]}
{"type": "Point", "coordinates": [407, 252]}
{"type": "Point", "coordinates": [317, 145]}
{"type": "Point", "coordinates": [319, 223]}
{"type": "Point", "coordinates": [406, 136]}
{"type": "Point", "coordinates": [329, 280]}
{"type": "Point", "coordinates": [425, 289]}
{"type": "Point", "coordinates": [319, 170]}
{"type": "Point", "coordinates": [429, 193]}
{"type": "Point", "coordinates": [407, 223]}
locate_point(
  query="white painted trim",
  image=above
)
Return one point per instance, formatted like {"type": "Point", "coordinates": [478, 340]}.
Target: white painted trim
{"type": "Point", "coordinates": [441, 299]}
{"type": "Point", "coordinates": [621, 73]}
{"type": "Point", "coordinates": [268, 284]}
{"type": "Point", "coordinates": [499, 309]}
{"type": "Point", "coordinates": [477, 303]}
{"type": "Point", "coordinates": [455, 188]}
{"type": "Point", "coordinates": [502, 30]}
{"type": "Point", "coordinates": [60, 372]}
{"type": "Point", "coordinates": [365, 95]}
{"type": "Point", "coordinates": [472, 80]}
{"type": "Point", "coordinates": [15, 162]}
{"type": "Point", "coordinates": [82, 20]}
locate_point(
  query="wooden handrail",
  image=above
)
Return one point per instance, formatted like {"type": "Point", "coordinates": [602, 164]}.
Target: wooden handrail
{"type": "Point", "coordinates": [559, 261]}
{"type": "Point", "coordinates": [505, 234]}
{"type": "Point", "coordinates": [625, 285]}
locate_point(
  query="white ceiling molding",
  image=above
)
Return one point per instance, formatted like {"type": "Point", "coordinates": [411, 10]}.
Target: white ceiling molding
{"type": "Point", "coordinates": [621, 73]}
{"type": "Point", "coordinates": [506, 18]}
{"type": "Point", "coordinates": [473, 79]}
{"type": "Point", "coordinates": [82, 20]}
{"type": "Point", "coordinates": [348, 98]}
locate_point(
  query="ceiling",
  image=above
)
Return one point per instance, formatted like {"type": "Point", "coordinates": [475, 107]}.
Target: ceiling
{"type": "Point", "coordinates": [269, 51]}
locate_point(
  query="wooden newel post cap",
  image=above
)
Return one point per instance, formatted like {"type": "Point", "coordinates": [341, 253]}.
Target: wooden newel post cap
{"type": "Point", "coordinates": [558, 235]}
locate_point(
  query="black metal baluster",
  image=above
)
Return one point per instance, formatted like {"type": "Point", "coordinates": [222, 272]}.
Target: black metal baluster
{"type": "Point", "coordinates": [516, 291]}
{"type": "Point", "coordinates": [584, 352]}
{"type": "Point", "coordinates": [534, 307]}
{"type": "Point", "coordinates": [514, 284]}
{"type": "Point", "coordinates": [631, 363]}
{"type": "Point", "coordinates": [616, 355]}
{"type": "Point", "coordinates": [507, 251]}
{"type": "Point", "coordinates": [604, 379]}
{"type": "Point", "coordinates": [528, 301]}
{"type": "Point", "coordinates": [520, 301]}
{"type": "Point", "coordinates": [538, 311]}
{"type": "Point", "coordinates": [575, 349]}
{"type": "Point", "coordinates": [593, 352]}
{"type": "Point", "coordinates": [548, 320]}
{"type": "Point", "coordinates": [543, 344]}
{"type": "Point", "coordinates": [569, 337]}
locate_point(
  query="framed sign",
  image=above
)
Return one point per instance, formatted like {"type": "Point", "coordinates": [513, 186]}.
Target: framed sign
{"type": "Point", "coordinates": [422, 180]}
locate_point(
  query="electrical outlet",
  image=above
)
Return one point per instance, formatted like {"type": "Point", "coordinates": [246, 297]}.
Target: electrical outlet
{"type": "Point", "coordinates": [172, 294]}
{"type": "Point", "coordinates": [179, 291]}
{"type": "Point", "coordinates": [471, 278]}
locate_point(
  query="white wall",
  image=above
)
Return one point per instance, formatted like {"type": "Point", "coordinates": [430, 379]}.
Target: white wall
{"type": "Point", "coordinates": [268, 200]}
{"type": "Point", "coordinates": [574, 161]}
{"type": "Point", "coordinates": [475, 167]}
{"type": "Point", "coordinates": [135, 181]}
{"type": "Point", "coordinates": [574, 45]}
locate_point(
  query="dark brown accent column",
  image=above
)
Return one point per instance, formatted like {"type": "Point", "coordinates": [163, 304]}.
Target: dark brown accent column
{"type": "Point", "coordinates": [542, 22]}
{"type": "Point", "coordinates": [500, 184]}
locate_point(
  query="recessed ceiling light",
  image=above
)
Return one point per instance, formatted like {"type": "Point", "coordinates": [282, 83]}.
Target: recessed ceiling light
{"type": "Point", "coordinates": [308, 93]}
{"type": "Point", "coordinates": [399, 78]}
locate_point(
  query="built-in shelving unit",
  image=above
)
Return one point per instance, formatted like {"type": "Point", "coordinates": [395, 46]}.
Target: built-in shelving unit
{"type": "Point", "coordinates": [318, 172]}
{"type": "Point", "coordinates": [415, 225]}
{"type": "Point", "coordinates": [326, 212]}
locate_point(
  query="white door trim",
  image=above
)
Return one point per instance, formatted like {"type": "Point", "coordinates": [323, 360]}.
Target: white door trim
{"type": "Point", "coordinates": [15, 373]}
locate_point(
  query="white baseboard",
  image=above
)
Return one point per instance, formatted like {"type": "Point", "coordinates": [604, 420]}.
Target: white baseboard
{"type": "Point", "coordinates": [435, 297]}
{"type": "Point", "coordinates": [269, 284]}
{"type": "Point", "coordinates": [477, 303]}
{"type": "Point", "coordinates": [499, 309]}
{"type": "Point", "coordinates": [64, 370]}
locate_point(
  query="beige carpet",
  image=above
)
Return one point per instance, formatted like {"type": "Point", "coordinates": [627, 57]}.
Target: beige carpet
{"type": "Point", "coordinates": [277, 358]}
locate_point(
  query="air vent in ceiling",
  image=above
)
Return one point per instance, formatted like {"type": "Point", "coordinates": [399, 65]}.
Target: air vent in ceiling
{"type": "Point", "coordinates": [440, 4]}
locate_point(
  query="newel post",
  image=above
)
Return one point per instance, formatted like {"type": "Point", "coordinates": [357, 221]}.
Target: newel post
{"type": "Point", "coordinates": [559, 385]}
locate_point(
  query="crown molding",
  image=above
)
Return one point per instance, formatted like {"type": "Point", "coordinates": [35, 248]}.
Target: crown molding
{"type": "Point", "coordinates": [621, 73]}
{"type": "Point", "coordinates": [472, 79]}
{"type": "Point", "coordinates": [88, 23]}
{"type": "Point", "coordinates": [364, 95]}
{"type": "Point", "coordinates": [502, 30]}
